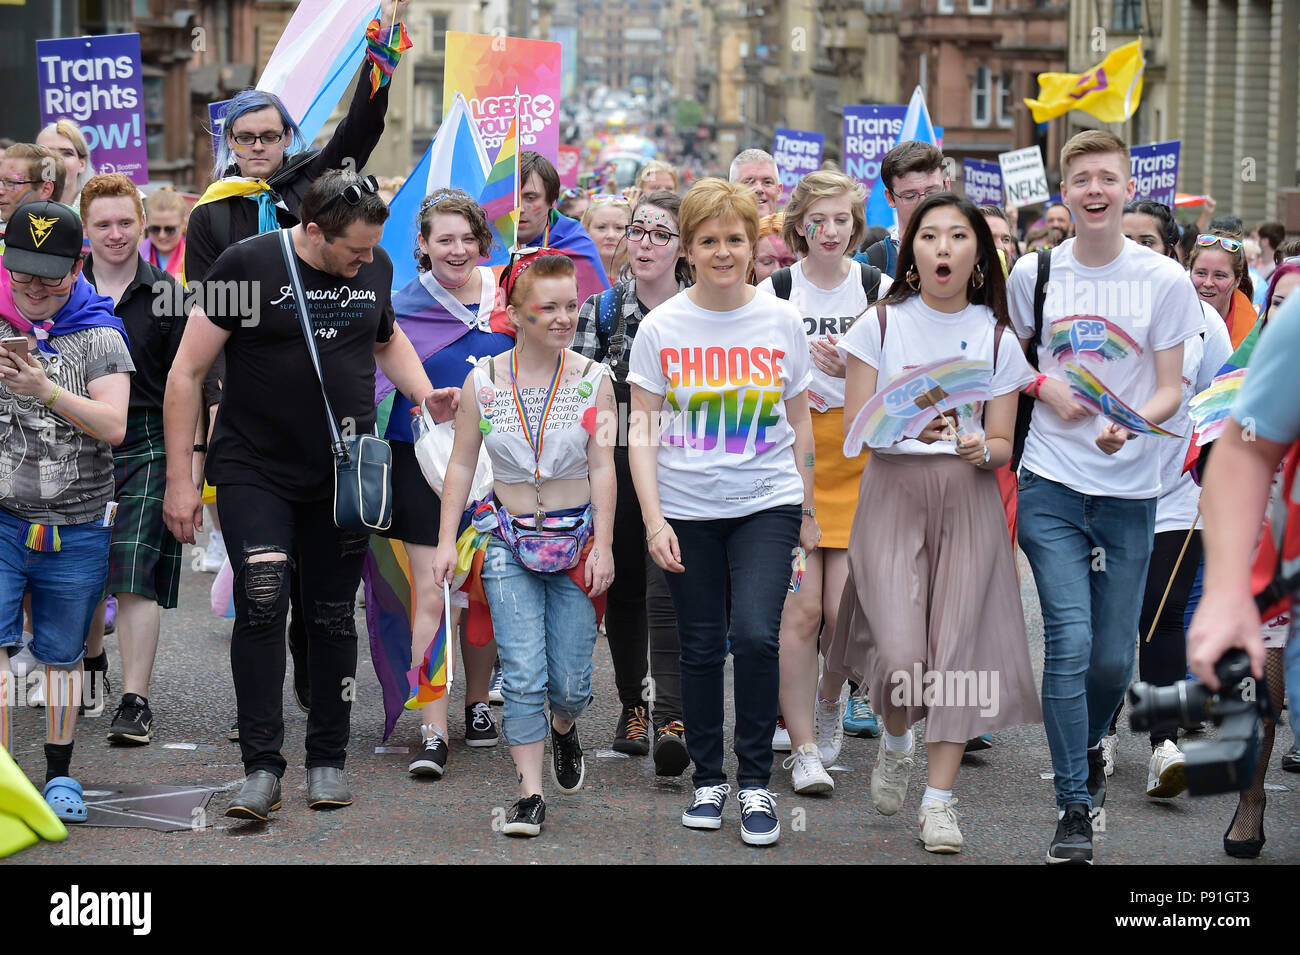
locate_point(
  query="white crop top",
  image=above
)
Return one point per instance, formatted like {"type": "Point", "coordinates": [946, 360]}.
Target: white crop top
{"type": "Point", "coordinates": [571, 423]}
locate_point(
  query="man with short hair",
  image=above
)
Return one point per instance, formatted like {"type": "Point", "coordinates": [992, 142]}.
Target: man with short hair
{"type": "Point", "coordinates": [28, 173]}
{"type": "Point", "coordinates": [1002, 237]}
{"type": "Point", "coordinates": [540, 225]}
{"type": "Point", "coordinates": [1271, 235]}
{"type": "Point", "coordinates": [757, 169]}
{"type": "Point", "coordinates": [912, 172]}
{"type": "Point", "coordinates": [1058, 217]}
{"type": "Point", "coordinates": [64, 384]}
{"type": "Point", "coordinates": [1088, 487]}
{"type": "Point", "coordinates": [144, 557]}
{"type": "Point", "coordinates": [271, 462]}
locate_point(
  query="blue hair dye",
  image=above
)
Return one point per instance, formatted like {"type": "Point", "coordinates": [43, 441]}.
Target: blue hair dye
{"type": "Point", "coordinates": [250, 101]}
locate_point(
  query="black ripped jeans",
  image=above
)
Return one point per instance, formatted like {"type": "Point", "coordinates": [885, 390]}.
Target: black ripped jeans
{"type": "Point", "coordinates": [328, 562]}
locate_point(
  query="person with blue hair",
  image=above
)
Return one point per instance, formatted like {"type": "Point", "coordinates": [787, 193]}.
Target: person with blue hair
{"type": "Point", "coordinates": [263, 165]}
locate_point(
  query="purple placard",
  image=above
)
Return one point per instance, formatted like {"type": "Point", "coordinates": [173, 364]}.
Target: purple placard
{"type": "Point", "coordinates": [982, 182]}
{"type": "Point", "coordinates": [797, 153]}
{"type": "Point", "coordinates": [216, 122]}
{"type": "Point", "coordinates": [1155, 168]}
{"type": "Point", "coordinates": [869, 133]}
{"type": "Point", "coordinates": [95, 82]}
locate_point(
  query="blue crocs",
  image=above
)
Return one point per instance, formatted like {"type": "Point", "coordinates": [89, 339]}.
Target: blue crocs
{"type": "Point", "coordinates": [63, 793]}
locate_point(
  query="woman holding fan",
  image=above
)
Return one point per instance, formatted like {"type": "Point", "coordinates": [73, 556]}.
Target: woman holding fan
{"type": "Point", "coordinates": [932, 603]}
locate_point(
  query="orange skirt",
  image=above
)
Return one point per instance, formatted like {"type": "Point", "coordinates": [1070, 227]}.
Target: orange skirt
{"type": "Point", "coordinates": [835, 480]}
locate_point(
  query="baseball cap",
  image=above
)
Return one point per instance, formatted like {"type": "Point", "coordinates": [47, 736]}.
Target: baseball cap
{"type": "Point", "coordinates": [42, 238]}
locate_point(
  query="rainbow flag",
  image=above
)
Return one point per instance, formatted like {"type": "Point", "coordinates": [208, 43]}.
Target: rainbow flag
{"type": "Point", "coordinates": [500, 197]}
{"type": "Point", "coordinates": [1089, 390]}
{"type": "Point", "coordinates": [430, 679]}
{"type": "Point", "coordinates": [897, 412]}
{"type": "Point", "coordinates": [390, 605]}
{"type": "Point", "coordinates": [1211, 408]}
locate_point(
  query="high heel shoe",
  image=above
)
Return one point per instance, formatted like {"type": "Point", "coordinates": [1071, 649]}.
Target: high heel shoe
{"type": "Point", "coordinates": [1245, 848]}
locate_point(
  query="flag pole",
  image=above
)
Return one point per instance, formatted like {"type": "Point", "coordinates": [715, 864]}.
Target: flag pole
{"type": "Point", "coordinates": [518, 160]}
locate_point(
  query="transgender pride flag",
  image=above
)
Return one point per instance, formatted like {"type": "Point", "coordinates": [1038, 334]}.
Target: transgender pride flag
{"type": "Point", "coordinates": [317, 57]}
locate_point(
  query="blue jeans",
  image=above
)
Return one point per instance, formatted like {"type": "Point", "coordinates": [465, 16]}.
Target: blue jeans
{"type": "Point", "coordinates": [757, 549]}
{"type": "Point", "coordinates": [66, 585]}
{"type": "Point", "coordinates": [1090, 557]}
{"type": "Point", "coordinates": [545, 628]}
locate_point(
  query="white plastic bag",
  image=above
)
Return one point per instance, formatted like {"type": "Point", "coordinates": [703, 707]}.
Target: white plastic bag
{"type": "Point", "coordinates": [433, 443]}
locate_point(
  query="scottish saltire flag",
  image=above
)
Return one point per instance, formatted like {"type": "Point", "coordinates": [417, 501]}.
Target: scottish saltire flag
{"type": "Point", "coordinates": [500, 197]}
{"type": "Point", "coordinates": [456, 157]}
{"type": "Point", "coordinates": [916, 125]}
{"type": "Point", "coordinates": [316, 59]}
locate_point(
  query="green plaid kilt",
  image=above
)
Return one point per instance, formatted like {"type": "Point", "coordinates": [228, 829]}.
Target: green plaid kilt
{"type": "Point", "coordinates": [144, 557]}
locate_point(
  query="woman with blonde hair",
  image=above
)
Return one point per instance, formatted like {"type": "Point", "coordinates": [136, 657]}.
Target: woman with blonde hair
{"type": "Point", "coordinates": [606, 221]}
{"type": "Point", "coordinates": [64, 137]}
{"type": "Point", "coordinates": [164, 246]}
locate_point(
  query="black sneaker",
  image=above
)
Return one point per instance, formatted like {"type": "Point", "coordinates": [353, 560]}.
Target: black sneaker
{"type": "Point", "coordinates": [633, 733]}
{"type": "Point", "coordinates": [526, 817]}
{"type": "Point", "coordinates": [1097, 777]}
{"type": "Point", "coordinates": [1072, 844]}
{"type": "Point", "coordinates": [671, 758]}
{"type": "Point", "coordinates": [480, 727]}
{"type": "Point", "coordinates": [233, 735]}
{"type": "Point", "coordinates": [133, 721]}
{"type": "Point", "coordinates": [567, 766]}
{"type": "Point", "coordinates": [1291, 759]}
{"type": "Point", "coordinates": [432, 759]}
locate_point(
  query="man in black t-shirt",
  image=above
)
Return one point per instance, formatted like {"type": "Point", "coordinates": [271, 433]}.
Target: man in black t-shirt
{"type": "Point", "coordinates": [270, 460]}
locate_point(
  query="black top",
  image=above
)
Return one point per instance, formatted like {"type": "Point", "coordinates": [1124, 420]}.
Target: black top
{"type": "Point", "coordinates": [155, 322]}
{"type": "Point", "coordinates": [354, 139]}
{"type": "Point", "coordinates": [271, 430]}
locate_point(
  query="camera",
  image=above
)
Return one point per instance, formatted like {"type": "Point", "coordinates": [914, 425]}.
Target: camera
{"type": "Point", "coordinates": [1228, 763]}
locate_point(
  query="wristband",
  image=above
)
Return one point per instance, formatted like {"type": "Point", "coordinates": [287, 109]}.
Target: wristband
{"type": "Point", "coordinates": [200, 449]}
{"type": "Point", "coordinates": [650, 537]}
{"type": "Point", "coordinates": [54, 396]}
{"type": "Point", "coordinates": [809, 511]}
{"type": "Point", "coordinates": [1036, 387]}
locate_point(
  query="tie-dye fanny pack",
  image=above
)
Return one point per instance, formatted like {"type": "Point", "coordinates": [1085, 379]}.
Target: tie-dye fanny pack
{"type": "Point", "coordinates": [556, 546]}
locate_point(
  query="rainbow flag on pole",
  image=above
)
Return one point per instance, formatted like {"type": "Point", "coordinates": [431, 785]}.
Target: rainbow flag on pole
{"type": "Point", "coordinates": [500, 196]}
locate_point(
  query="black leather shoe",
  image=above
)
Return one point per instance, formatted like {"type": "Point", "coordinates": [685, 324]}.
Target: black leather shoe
{"type": "Point", "coordinates": [1245, 848]}
{"type": "Point", "coordinates": [327, 788]}
{"type": "Point", "coordinates": [259, 797]}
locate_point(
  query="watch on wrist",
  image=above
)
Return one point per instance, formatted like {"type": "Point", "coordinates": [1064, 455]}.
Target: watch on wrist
{"type": "Point", "coordinates": [200, 449]}
{"type": "Point", "coordinates": [809, 511]}
{"type": "Point", "coordinates": [987, 453]}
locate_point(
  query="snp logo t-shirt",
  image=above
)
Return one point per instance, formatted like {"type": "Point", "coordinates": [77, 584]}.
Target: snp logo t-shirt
{"type": "Point", "coordinates": [725, 449]}
{"type": "Point", "coordinates": [1110, 320]}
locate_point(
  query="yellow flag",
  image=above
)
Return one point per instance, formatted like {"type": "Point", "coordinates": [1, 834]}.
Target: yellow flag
{"type": "Point", "coordinates": [1110, 91]}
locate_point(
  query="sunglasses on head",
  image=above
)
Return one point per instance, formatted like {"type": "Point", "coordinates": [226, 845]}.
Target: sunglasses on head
{"type": "Point", "coordinates": [1205, 240]}
{"type": "Point", "coordinates": [164, 229]}
{"type": "Point", "coordinates": [353, 192]}
{"type": "Point", "coordinates": [617, 200]}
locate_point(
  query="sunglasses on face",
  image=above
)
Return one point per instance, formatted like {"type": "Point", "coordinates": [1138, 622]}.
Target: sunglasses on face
{"type": "Point", "coordinates": [354, 192]}
{"type": "Point", "coordinates": [164, 229]}
{"type": "Point", "coordinates": [266, 139]}
{"type": "Point", "coordinates": [1229, 244]}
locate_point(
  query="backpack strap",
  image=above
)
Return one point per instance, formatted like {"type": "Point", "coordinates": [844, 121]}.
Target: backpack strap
{"type": "Point", "coordinates": [605, 310]}
{"type": "Point", "coordinates": [492, 369]}
{"type": "Point", "coordinates": [870, 281]}
{"type": "Point", "coordinates": [1040, 294]}
{"type": "Point", "coordinates": [782, 283]}
{"type": "Point", "coordinates": [891, 256]}
{"type": "Point", "coordinates": [878, 256]}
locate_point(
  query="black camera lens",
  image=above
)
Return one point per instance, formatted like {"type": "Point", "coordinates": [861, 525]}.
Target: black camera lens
{"type": "Point", "coordinates": [1182, 704]}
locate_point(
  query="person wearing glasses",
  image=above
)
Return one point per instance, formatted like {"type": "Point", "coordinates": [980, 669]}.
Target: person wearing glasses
{"type": "Point", "coordinates": [65, 378]}
{"type": "Point", "coordinates": [28, 173]}
{"type": "Point", "coordinates": [606, 221]}
{"type": "Point", "coordinates": [263, 167]}
{"type": "Point", "coordinates": [1218, 268]}
{"type": "Point", "coordinates": [720, 447]}
{"type": "Point", "coordinates": [912, 171]}
{"type": "Point", "coordinates": [639, 612]}
{"type": "Point", "coordinates": [64, 137]}
{"type": "Point", "coordinates": [164, 242]}
{"type": "Point", "coordinates": [271, 463]}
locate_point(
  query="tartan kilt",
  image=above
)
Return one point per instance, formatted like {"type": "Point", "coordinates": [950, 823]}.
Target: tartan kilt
{"type": "Point", "coordinates": [144, 557]}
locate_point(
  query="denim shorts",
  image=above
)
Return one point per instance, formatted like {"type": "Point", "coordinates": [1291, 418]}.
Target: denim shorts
{"type": "Point", "coordinates": [66, 587]}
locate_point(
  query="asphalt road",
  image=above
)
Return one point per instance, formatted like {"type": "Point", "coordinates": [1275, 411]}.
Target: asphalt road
{"type": "Point", "coordinates": [623, 815]}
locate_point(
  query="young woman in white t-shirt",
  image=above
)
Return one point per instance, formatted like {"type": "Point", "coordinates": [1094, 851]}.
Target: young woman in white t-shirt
{"type": "Point", "coordinates": [931, 620]}
{"type": "Point", "coordinates": [824, 224]}
{"type": "Point", "coordinates": [721, 482]}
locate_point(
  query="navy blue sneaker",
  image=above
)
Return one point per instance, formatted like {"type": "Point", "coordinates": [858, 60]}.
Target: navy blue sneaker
{"type": "Point", "coordinates": [758, 823]}
{"type": "Point", "coordinates": [983, 741]}
{"type": "Point", "coordinates": [705, 811]}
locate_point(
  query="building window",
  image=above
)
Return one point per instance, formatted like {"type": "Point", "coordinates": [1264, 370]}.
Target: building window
{"type": "Point", "coordinates": [438, 32]}
{"type": "Point", "coordinates": [947, 6]}
{"type": "Point", "coordinates": [980, 6]}
{"type": "Point", "coordinates": [1004, 100]}
{"type": "Point", "coordinates": [979, 97]}
{"type": "Point", "coordinates": [1127, 16]}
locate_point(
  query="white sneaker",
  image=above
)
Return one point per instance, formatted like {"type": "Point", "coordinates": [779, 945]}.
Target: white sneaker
{"type": "Point", "coordinates": [1108, 744]}
{"type": "Point", "coordinates": [808, 774]}
{"type": "Point", "coordinates": [1166, 773]}
{"type": "Point", "coordinates": [215, 555]}
{"type": "Point", "coordinates": [495, 694]}
{"type": "Point", "coordinates": [781, 738]}
{"type": "Point", "coordinates": [889, 779]}
{"type": "Point", "coordinates": [939, 829]}
{"type": "Point", "coordinates": [828, 727]}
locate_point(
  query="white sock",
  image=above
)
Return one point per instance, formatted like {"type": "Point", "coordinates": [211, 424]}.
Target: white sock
{"type": "Point", "coordinates": [898, 744]}
{"type": "Point", "coordinates": [936, 795]}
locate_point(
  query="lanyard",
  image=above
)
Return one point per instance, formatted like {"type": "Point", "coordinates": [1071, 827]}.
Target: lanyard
{"type": "Point", "coordinates": [536, 444]}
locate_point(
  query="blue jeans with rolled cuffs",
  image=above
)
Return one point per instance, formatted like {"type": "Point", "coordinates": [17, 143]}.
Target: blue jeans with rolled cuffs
{"type": "Point", "coordinates": [545, 628]}
{"type": "Point", "coordinates": [757, 550]}
{"type": "Point", "coordinates": [1090, 557]}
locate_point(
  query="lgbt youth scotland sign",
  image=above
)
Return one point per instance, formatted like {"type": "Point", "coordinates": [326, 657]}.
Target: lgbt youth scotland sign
{"type": "Point", "coordinates": [487, 70]}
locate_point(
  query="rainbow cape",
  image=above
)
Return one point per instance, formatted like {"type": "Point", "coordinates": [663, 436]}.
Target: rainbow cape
{"type": "Point", "coordinates": [1088, 390]}
{"type": "Point", "coordinates": [902, 407]}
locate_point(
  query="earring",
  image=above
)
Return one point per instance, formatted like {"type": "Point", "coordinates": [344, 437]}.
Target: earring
{"type": "Point", "coordinates": [977, 280]}
{"type": "Point", "coordinates": [913, 280]}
